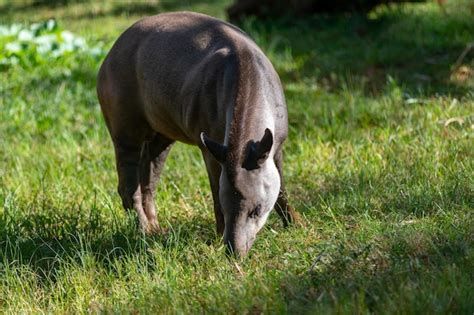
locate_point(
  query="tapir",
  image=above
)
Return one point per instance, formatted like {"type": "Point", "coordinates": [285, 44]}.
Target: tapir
{"type": "Point", "coordinates": [193, 78]}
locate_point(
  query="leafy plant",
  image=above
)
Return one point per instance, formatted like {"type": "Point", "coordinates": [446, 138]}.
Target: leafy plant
{"type": "Point", "coordinates": [40, 43]}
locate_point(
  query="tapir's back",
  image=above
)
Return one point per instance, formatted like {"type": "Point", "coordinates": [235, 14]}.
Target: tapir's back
{"type": "Point", "coordinates": [167, 62]}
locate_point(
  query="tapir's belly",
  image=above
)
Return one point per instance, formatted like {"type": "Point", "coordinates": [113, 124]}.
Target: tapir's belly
{"type": "Point", "coordinates": [164, 119]}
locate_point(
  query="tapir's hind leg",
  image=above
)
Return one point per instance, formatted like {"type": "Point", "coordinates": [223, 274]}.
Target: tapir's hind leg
{"type": "Point", "coordinates": [152, 160]}
{"type": "Point", "coordinates": [127, 156]}
{"type": "Point", "coordinates": [130, 132]}
{"type": "Point", "coordinates": [284, 210]}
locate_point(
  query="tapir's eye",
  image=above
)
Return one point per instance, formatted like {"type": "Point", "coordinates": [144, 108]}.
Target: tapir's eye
{"type": "Point", "coordinates": [255, 212]}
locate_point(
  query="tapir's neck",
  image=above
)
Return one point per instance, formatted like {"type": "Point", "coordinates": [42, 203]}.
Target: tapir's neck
{"type": "Point", "coordinates": [252, 112]}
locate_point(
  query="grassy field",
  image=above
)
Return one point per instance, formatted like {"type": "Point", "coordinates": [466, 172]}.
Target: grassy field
{"type": "Point", "coordinates": [379, 162]}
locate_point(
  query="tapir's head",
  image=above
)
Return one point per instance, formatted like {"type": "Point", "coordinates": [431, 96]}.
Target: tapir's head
{"type": "Point", "coordinates": [248, 188]}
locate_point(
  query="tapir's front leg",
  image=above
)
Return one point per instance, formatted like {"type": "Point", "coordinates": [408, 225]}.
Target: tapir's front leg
{"type": "Point", "coordinates": [282, 207]}
{"type": "Point", "coordinates": [214, 173]}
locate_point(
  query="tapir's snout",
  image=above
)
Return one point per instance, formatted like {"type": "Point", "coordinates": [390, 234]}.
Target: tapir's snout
{"type": "Point", "coordinates": [238, 242]}
{"type": "Point", "coordinates": [242, 227]}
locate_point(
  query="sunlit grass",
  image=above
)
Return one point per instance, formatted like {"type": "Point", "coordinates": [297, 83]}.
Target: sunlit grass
{"type": "Point", "coordinates": [379, 162]}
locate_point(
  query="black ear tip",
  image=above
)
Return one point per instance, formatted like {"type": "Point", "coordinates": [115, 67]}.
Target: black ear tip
{"type": "Point", "coordinates": [268, 136]}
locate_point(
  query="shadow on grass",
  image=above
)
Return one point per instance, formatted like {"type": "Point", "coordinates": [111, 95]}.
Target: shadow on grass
{"type": "Point", "coordinates": [52, 3]}
{"type": "Point", "coordinates": [401, 196]}
{"type": "Point", "coordinates": [117, 8]}
{"type": "Point", "coordinates": [145, 9]}
{"type": "Point", "coordinates": [415, 48]}
{"type": "Point", "coordinates": [409, 272]}
{"type": "Point", "coordinates": [44, 241]}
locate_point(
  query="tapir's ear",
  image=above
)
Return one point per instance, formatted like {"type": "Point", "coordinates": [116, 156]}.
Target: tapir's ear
{"type": "Point", "coordinates": [258, 151]}
{"type": "Point", "coordinates": [217, 150]}
{"type": "Point", "coordinates": [265, 144]}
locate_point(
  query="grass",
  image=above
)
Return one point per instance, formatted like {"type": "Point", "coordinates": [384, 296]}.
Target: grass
{"type": "Point", "coordinates": [379, 162]}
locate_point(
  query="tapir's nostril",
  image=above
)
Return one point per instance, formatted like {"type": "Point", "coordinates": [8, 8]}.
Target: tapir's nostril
{"type": "Point", "coordinates": [255, 212]}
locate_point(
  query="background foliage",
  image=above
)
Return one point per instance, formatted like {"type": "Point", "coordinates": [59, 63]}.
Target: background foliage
{"type": "Point", "coordinates": [379, 162]}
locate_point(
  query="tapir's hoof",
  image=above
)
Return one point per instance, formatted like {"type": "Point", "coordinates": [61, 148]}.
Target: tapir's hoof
{"type": "Point", "coordinates": [294, 219]}
{"type": "Point", "coordinates": [152, 228]}
{"type": "Point", "coordinates": [297, 220]}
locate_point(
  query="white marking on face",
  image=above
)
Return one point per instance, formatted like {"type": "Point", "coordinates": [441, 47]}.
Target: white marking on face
{"type": "Point", "coordinates": [258, 188]}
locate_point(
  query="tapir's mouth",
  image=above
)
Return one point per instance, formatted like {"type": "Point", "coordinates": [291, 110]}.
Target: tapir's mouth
{"type": "Point", "coordinates": [233, 246]}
